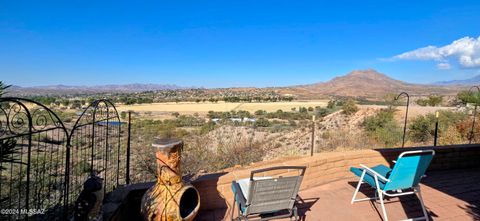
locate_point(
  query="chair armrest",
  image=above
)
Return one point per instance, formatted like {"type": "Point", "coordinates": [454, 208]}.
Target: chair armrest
{"type": "Point", "coordinates": [374, 173]}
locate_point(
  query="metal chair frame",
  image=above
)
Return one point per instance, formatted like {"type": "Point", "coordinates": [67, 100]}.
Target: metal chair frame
{"type": "Point", "coordinates": [380, 194]}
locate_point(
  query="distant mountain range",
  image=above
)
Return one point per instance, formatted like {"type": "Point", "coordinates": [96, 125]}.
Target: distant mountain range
{"type": "Point", "coordinates": [359, 83]}
{"type": "Point", "coordinates": [369, 84]}
{"type": "Point", "coordinates": [471, 81]}
{"type": "Point", "coordinates": [72, 90]}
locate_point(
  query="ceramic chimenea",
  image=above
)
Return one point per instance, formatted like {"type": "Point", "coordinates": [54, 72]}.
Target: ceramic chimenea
{"type": "Point", "coordinates": [170, 198]}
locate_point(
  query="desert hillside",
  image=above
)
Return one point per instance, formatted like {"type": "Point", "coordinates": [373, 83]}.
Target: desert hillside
{"type": "Point", "coordinates": [366, 83]}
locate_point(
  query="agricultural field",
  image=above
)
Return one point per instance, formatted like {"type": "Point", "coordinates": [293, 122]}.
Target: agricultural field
{"type": "Point", "coordinates": [164, 110]}
{"type": "Point", "coordinates": [203, 107]}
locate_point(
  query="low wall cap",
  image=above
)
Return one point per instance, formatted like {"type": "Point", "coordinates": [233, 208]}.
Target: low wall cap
{"type": "Point", "coordinates": [166, 144]}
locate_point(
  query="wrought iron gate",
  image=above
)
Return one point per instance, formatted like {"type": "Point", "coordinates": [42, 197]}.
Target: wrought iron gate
{"type": "Point", "coordinates": [96, 148]}
{"type": "Point", "coordinates": [45, 161]}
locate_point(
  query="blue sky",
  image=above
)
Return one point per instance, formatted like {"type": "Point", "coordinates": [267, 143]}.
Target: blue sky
{"type": "Point", "coordinates": [234, 43]}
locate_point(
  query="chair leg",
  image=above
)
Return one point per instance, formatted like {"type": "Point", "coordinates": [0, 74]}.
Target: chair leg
{"type": "Point", "coordinates": [380, 195]}
{"type": "Point", "coordinates": [419, 194]}
{"type": "Point", "coordinates": [358, 186]}
{"type": "Point", "coordinates": [295, 213]}
{"type": "Point", "coordinates": [233, 208]}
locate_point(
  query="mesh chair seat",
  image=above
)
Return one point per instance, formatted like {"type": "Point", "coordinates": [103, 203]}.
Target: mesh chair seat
{"type": "Point", "coordinates": [243, 187]}
{"type": "Point", "coordinates": [267, 197]}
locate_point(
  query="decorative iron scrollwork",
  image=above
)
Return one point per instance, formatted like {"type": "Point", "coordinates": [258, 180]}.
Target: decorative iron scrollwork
{"type": "Point", "coordinates": [16, 120]}
{"type": "Point", "coordinates": [20, 116]}
{"type": "Point", "coordinates": [51, 153]}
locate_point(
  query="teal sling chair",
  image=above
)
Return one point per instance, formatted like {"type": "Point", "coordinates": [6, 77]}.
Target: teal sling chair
{"type": "Point", "coordinates": [402, 179]}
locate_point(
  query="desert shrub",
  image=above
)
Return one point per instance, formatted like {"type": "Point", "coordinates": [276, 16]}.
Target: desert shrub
{"type": "Point", "coordinates": [389, 135]}
{"type": "Point", "coordinates": [46, 100]}
{"type": "Point", "coordinates": [262, 122]}
{"type": "Point", "coordinates": [243, 114]}
{"type": "Point", "coordinates": [277, 128]}
{"type": "Point", "coordinates": [469, 97]}
{"type": "Point", "coordinates": [450, 136]}
{"type": "Point", "coordinates": [322, 112]}
{"type": "Point", "coordinates": [8, 151]}
{"type": "Point", "coordinates": [292, 123]}
{"type": "Point", "coordinates": [207, 127]}
{"type": "Point", "coordinates": [213, 114]}
{"type": "Point", "coordinates": [260, 112]}
{"type": "Point", "coordinates": [81, 167]}
{"type": "Point", "coordinates": [331, 104]}
{"type": "Point", "coordinates": [421, 129]}
{"type": "Point", "coordinates": [383, 128]}
{"type": "Point", "coordinates": [349, 107]}
{"type": "Point", "coordinates": [76, 104]}
{"type": "Point", "coordinates": [464, 128]}
{"type": "Point", "coordinates": [432, 100]}
{"type": "Point", "coordinates": [422, 102]}
{"type": "Point", "coordinates": [447, 118]}
{"type": "Point", "coordinates": [288, 115]}
{"type": "Point", "coordinates": [199, 155]}
{"type": "Point", "coordinates": [219, 114]}
{"type": "Point", "coordinates": [123, 115]}
{"type": "Point", "coordinates": [379, 120]}
{"type": "Point", "coordinates": [65, 116]}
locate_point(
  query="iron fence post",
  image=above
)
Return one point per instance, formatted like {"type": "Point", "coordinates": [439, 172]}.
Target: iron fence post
{"type": "Point", "coordinates": [474, 115]}
{"type": "Point", "coordinates": [406, 116]}
{"type": "Point", "coordinates": [436, 130]}
{"type": "Point", "coordinates": [67, 179]}
{"type": "Point", "coordinates": [473, 125]}
{"type": "Point", "coordinates": [29, 158]}
{"type": "Point", "coordinates": [128, 147]}
{"type": "Point", "coordinates": [93, 135]}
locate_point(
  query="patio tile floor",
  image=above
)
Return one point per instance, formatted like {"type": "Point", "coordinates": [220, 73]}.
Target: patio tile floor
{"type": "Point", "coordinates": [448, 195]}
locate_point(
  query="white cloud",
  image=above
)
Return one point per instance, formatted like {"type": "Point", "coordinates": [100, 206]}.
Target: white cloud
{"type": "Point", "coordinates": [466, 51]}
{"type": "Point", "coordinates": [444, 66]}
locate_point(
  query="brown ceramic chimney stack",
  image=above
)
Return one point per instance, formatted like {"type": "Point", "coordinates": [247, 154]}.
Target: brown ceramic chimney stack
{"type": "Point", "coordinates": [170, 199]}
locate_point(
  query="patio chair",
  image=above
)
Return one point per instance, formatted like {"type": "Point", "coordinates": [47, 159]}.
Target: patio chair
{"type": "Point", "coordinates": [266, 198]}
{"type": "Point", "coordinates": [402, 180]}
